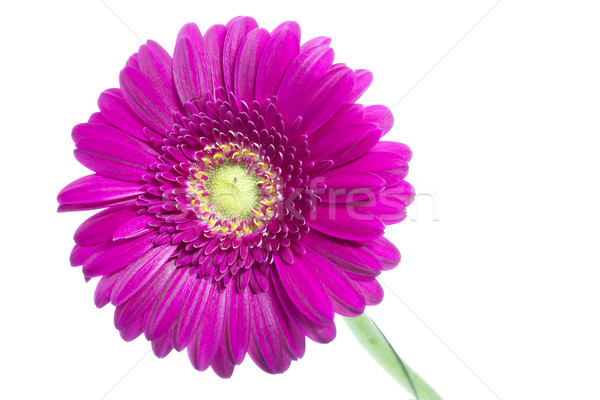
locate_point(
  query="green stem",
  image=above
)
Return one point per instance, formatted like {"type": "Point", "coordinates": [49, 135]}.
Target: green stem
{"type": "Point", "coordinates": [373, 340]}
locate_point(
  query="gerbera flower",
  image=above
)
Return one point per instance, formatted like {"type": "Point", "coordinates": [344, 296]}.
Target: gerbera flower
{"type": "Point", "coordinates": [245, 195]}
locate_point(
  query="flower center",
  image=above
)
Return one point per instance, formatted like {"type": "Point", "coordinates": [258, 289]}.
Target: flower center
{"type": "Point", "coordinates": [233, 191]}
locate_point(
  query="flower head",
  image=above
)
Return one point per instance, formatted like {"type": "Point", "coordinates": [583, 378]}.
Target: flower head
{"type": "Point", "coordinates": [245, 195]}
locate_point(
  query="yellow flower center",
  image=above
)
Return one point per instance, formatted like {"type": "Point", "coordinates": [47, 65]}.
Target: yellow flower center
{"type": "Point", "coordinates": [233, 191]}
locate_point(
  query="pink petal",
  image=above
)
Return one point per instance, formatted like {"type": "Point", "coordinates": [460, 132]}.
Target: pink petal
{"type": "Point", "coordinates": [157, 64]}
{"type": "Point", "coordinates": [137, 307]}
{"type": "Point", "coordinates": [191, 65]}
{"type": "Point", "coordinates": [134, 227]}
{"type": "Point", "coordinates": [348, 255]}
{"type": "Point", "coordinates": [186, 326]}
{"type": "Point", "coordinates": [392, 167]}
{"type": "Point", "coordinates": [265, 348]}
{"type": "Point", "coordinates": [346, 185]}
{"type": "Point", "coordinates": [347, 300]}
{"type": "Point", "coordinates": [101, 226]}
{"type": "Point", "coordinates": [205, 344]}
{"type": "Point", "coordinates": [116, 255]}
{"type": "Point", "coordinates": [317, 41]}
{"type": "Point", "coordinates": [385, 251]}
{"type": "Point", "coordinates": [221, 364]}
{"type": "Point", "coordinates": [293, 340]}
{"type": "Point", "coordinates": [96, 191]}
{"type": "Point", "coordinates": [236, 32]}
{"type": "Point", "coordinates": [214, 38]}
{"type": "Point", "coordinates": [115, 109]}
{"type": "Point", "coordinates": [247, 63]}
{"type": "Point", "coordinates": [280, 50]}
{"type": "Point", "coordinates": [345, 222]}
{"type": "Point", "coordinates": [314, 331]}
{"type": "Point", "coordinates": [237, 324]}
{"type": "Point", "coordinates": [332, 91]}
{"type": "Point", "coordinates": [364, 78]}
{"type": "Point", "coordinates": [302, 285]}
{"type": "Point", "coordinates": [104, 288]}
{"type": "Point", "coordinates": [301, 81]}
{"type": "Point", "coordinates": [345, 144]}
{"type": "Point", "coordinates": [348, 114]}
{"type": "Point", "coordinates": [80, 253]}
{"type": "Point", "coordinates": [380, 115]}
{"type": "Point", "coordinates": [169, 304]}
{"type": "Point", "coordinates": [115, 159]}
{"type": "Point", "coordinates": [146, 100]}
{"type": "Point", "coordinates": [140, 272]}
{"type": "Point", "coordinates": [162, 346]}
{"type": "Point", "coordinates": [371, 291]}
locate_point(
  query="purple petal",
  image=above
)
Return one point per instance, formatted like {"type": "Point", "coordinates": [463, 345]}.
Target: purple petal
{"type": "Point", "coordinates": [345, 222]}
{"type": "Point", "coordinates": [280, 50]}
{"type": "Point", "coordinates": [146, 100]}
{"type": "Point", "coordinates": [385, 251]}
{"type": "Point", "coordinates": [364, 78]}
{"type": "Point", "coordinates": [348, 255]}
{"type": "Point", "coordinates": [313, 330]}
{"type": "Point", "coordinates": [392, 167]}
{"type": "Point", "coordinates": [346, 185]}
{"type": "Point", "coordinates": [345, 144]}
{"type": "Point", "coordinates": [137, 307]}
{"type": "Point", "coordinates": [293, 340]}
{"type": "Point", "coordinates": [221, 364]}
{"type": "Point", "coordinates": [331, 93]}
{"type": "Point", "coordinates": [347, 300]}
{"type": "Point", "coordinates": [265, 348]}
{"type": "Point", "coordinates": [81, 253]}
{"type": "Point", "coordinates": [101, 226]}
{"type": "Point", "coordinates": [186, 326]}
{"type": "Point", "coordinates": [115, 159]}
{"type": "Point", "coordinates": [348, 114]}
{"type": "Point", "coordinates": [301, 80]}
{"type": "Point", "coordinates": [115, 109]}
{"type": "Point", "coordinates": [236, 32]}
{"type": "Point", "coordinates": [116, 255]}
{"type": "Point", "coordinates": [380, 115]}
{"type": "Point", "coordinates": [96, 191]}
{"type": "Point", "coordinates": [98, 118]}
{"type": "Point", "coordinates": [97, 130]}
{"type": "Point", "coordinates": [191, 65]}
{"type": "Point", "coordinates": [214, 38]}
{"type": "Point", "coordinates": [247, 63]}
{"type": "Point", "coordinates": [403, 191]}
{"type": "Point", "coordinates": [317, 41]}
{"type": "Point", "coordinates": [132, 61]}
{"type": "Point", "coordinates": [134, 227]}
{"type": "Point", "coordinates": [162, 346]}
{"type": "Point", "coordinates": [157, 64]}
{"type": "Point", "coordinates": [132, 330]}
{"type": "Point", "coordinates": [371, 291]}
{"type": "Point", "coordinates": [237, 324]}
{"type": "Point", "coordinates": [302, 285]}
{"type": "Point", "coordinates": [104, 288]}
{"type": "Point", "coordinates": [394, 148]}
{"type": "Point", "coordinates": [140, 272]}
{"type": "Point", "coordinates": [389, 209]}
{"type": "Point", "coordinates": [169, 304]}
{"type": "Point", "coordinates": [205, 344]}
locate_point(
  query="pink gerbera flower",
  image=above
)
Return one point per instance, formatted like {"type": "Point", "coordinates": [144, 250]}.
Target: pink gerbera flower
{"type": "Point", "coordinates": [245, 195]}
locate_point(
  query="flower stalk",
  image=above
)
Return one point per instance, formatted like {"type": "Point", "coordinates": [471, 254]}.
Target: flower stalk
{"type": "Point", "coordinates": [376, 344]}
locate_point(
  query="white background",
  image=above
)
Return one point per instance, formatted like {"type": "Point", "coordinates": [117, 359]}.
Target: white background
{"type": "Point", "coordinates": [504, 131]}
